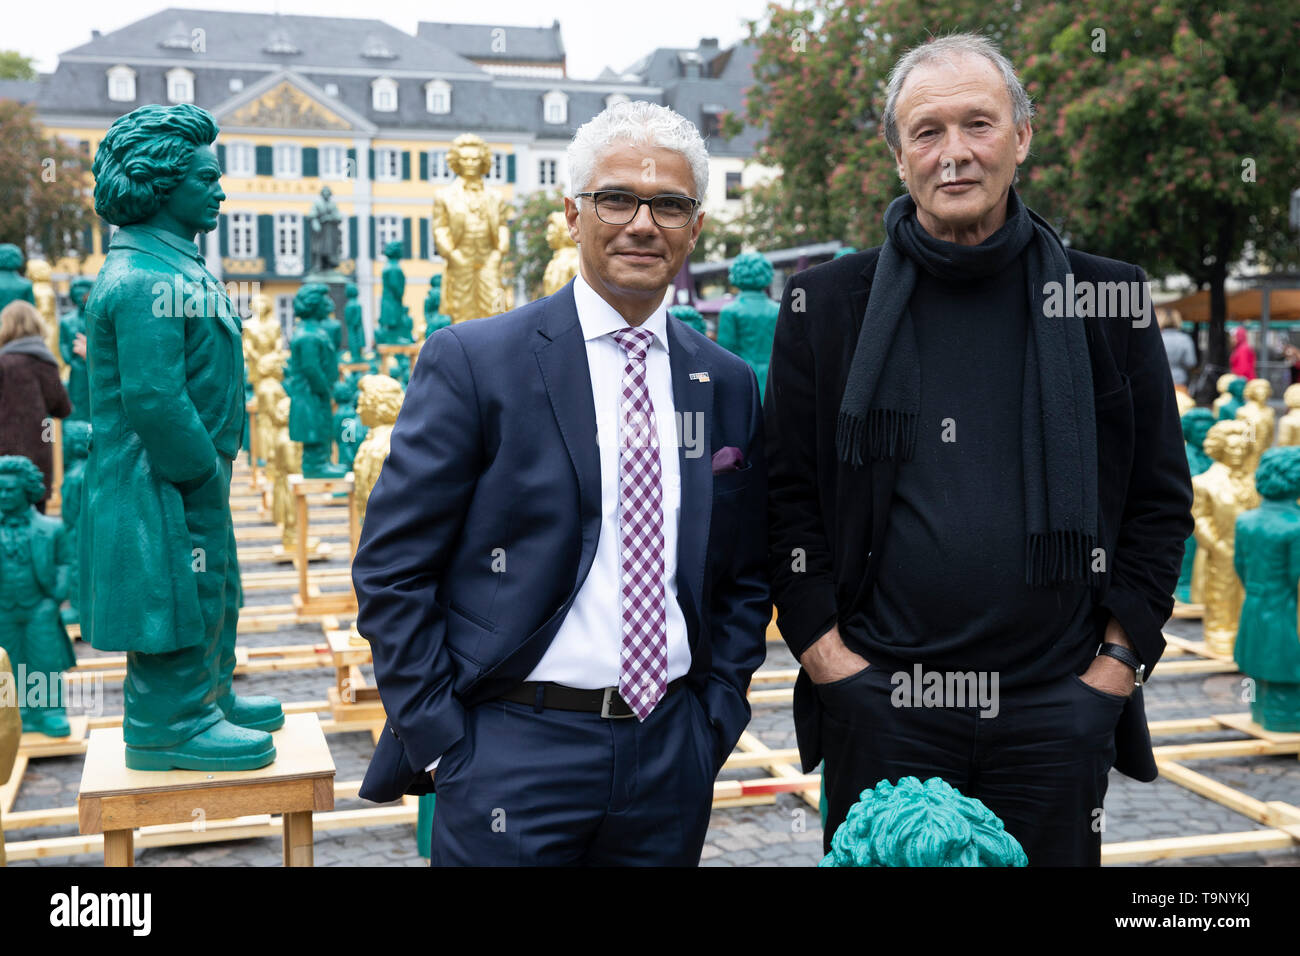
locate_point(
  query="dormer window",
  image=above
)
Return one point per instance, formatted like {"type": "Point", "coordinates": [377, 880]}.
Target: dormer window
{"type": "Point", "coordinates": [383, 93]}
{"type": "Point", "coordinates": [615, 98]}
{"type": "Point", "coordinates": [332, 89]}
{"type": "Point", "coordinates": [180, 86]}
{"type": "Point", "coordinates": [555, 107]}
{"type": "Point", "coordinates": [178, 38]}
{"type": "Point", "coordinates": [121, 84]}
{"type": "Point", "coordinates": [437, 96]}
{"type": "Point", "coordinates": [236, 84]}
{"type": "Point", "coordinates": [279, 42]}
{"type": "Point", "coordinates": [377, 49]}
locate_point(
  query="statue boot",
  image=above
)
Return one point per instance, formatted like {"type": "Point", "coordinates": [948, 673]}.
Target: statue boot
{"type": "Point", "coordinates": [51, 721]}
{"type": "Point", "coordinates": [316, 462]}
{"type": "Point", "coordinates": [255, 711]}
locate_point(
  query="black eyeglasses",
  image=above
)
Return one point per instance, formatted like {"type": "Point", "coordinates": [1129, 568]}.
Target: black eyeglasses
{"type": "Point", "coordinates": [617, 207]}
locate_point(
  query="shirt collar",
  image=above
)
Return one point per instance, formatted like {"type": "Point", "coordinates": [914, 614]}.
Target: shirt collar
{"type": "Point", "coordinates": [597, 317]}
{"type": "Point", "coordinates": [184, 246]}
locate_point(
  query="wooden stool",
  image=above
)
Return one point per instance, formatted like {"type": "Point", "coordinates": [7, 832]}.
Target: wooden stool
{"type": "Point", "coordinates": [114, 800]}
{"type": "Point", "coordinates": [309, 601]}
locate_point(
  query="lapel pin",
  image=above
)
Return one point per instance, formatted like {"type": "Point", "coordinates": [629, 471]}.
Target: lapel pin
{"type": "Point", "coordinates": [699, 376]}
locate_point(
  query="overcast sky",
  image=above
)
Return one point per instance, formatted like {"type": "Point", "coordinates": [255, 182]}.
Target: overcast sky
{"type": "Point", "coordinates": [595, 34]}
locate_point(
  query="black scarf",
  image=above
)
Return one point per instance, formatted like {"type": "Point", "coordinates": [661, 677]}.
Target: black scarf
{"type": "Point", "coordinates": [879, 411]}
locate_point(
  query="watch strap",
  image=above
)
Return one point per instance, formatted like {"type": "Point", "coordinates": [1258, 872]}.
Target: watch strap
{"type": "Point", "coordinates": [1124, 656]}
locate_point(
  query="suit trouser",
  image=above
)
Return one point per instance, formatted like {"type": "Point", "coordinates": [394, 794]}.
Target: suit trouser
{"type": "Point", "coordinates": [172, 697]}
{"type": "Point", "coordinates": [1040, 764]}
{"type": "Point", "coordinates": [556, 788]}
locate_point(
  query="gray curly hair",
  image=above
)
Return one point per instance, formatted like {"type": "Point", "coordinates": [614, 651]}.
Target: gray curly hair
{"type": "Point", "coordinates": [643, 123]}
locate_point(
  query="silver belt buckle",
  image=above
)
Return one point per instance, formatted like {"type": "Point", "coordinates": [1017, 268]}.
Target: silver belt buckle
{"type": "Point", "coordinates": [610, 694]}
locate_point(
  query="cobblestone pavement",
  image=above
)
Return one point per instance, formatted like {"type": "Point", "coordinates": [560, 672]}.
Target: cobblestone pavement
{"type": "Point", "coordinates": [787, 833]}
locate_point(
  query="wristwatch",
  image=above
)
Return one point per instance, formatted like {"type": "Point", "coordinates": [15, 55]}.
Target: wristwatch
{"type": "Point", "coordinates": [1124, 656]}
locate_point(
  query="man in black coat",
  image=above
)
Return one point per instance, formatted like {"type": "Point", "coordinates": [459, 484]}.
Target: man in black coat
{"type": "Point", "coordinates": [978, 494]}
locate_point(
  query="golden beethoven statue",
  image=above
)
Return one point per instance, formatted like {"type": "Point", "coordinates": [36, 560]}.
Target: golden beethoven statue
{"type": "Point", "coordinates": [470, 232]}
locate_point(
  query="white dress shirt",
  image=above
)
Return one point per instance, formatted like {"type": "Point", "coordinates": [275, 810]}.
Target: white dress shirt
{"type": "Point", "coordinates": [586, 651]}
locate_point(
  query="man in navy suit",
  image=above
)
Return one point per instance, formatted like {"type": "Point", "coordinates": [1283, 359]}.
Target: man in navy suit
{"type": "Point", "coordinates": [562, 571]}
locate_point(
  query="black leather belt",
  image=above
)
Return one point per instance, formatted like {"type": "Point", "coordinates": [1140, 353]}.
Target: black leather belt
{"type": "Point", "coordinates": [605, 701]}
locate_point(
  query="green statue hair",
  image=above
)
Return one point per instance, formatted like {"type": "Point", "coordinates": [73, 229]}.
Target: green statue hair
{"type": "Point", "coordinates": [11, 257]}
{"type": "Point", "coordinates": [144, 156]}
{"type": "Point", "coordinates": [1237, 388]}
{"type": "Point", "coordinates": [1196, 423]}
{"type": "Point", "coordinates": [1278, 475]}
{"type": "Point", "coordinates": [922, 824]}
{"type": "Point", "coordinates": [750, 271]}
{"type": "Point", "coordinates": [32, 478]}
{"type": "Point", "coordinates": [312, 300]}
{"type": "Point", "coordinates": [80, 282]}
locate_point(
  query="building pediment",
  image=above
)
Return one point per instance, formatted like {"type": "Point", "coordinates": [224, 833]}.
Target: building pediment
{"type": "Point", "coordinates": [286, 101]}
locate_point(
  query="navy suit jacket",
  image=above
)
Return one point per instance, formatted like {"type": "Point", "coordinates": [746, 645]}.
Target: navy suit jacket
{"type": "Point", "coordinates": [484, 522]}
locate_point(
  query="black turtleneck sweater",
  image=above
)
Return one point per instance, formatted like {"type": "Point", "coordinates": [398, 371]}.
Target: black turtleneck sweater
{"type": "Point", "coordinates": [951, 591]}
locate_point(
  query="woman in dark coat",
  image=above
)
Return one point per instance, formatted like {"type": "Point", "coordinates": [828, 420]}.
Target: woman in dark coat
{"type": "Point", "coordinates": [30, 390]}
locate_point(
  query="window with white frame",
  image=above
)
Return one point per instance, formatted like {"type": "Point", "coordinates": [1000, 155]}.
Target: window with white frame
{"type": "Point", "coordinates": [242, 238]}
{"type": "Point", "coordinates": [388, 165]}
{"type": "Point", "coordinates": [284, 313]}
{"type": "Point", "coordinates": [180, 86]}
{"type": "Point", "coordinates": [547, 172]}
{"type": "Point", "coordinates": [437, 96]}
{"type": "Point", "coordinates": [240, 159]}
{"type": "Point", "coordinates": [439, 171]}
{"type": "Point", "coordinates": [236, 84]}
{"type": "Point", "coordinates": [332, 89]}
{"type": "Point", "coordinates": [496, 171]}
{"type": "Point", "coordinates": [121, 84]}
{"type": "Point", "coordinates": [288, 243]}
{"type": "Point", "coordinates": [288, 160]}
{"type": "Point", "coordinates": [383, 93]}
{"type": "Point", "coordinates": [387, 229]}
{"type": "Point", "coordinates": [555, 107]}
{"type": "Point", "coordinates": [333, 162]}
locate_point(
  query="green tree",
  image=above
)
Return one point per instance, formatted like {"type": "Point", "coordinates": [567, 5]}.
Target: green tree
{"type": "Point", "coordinates": [1168, 135]}
{"type": "Point", "coordinates": [15, 66]}
{"type": "Point", "coordinates": [529, 252]}
{"type": "Point", "coordinates": [44, 188]}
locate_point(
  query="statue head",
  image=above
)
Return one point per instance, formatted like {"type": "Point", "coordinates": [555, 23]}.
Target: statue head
{"type": "Point", "coordinates": [1292, 396]}
{"type": "Point", "coordinates": [344, 393]}
{"type": "Point", "coordinates": [1278, 475]}
{"type": "Point", "coordinates": [270, 365]}
{"type": "Point", "coordinates": [11, 257]}
{"type": "Point", "coordinates": [1228, 442]}
{"type": "Point", "coordinates": [751, 272]}
{"type": "Point", "coordinates": [1223, 381]}
{"type": "Point", "coordinates": [393, 250]}
{"type": "Point", "coordinates": [326, 193]}
{"type": "Point", "coordinates": [688, 314]}
{"type": "Point", "coordinates": [922, 824]}
{"type": "Point", "coordinates": [350, 290]}
{"type": "Point", "coordinates": [156, 165]}
{"type": "Point", "coordinates": [1237, 388]}
{"type": "Point", "coordinates": [261, 306]}
{"type": "Point", "coordinates": [379, 399]}
{"type": "Point", "coordinates": [21, 484]}
{"type": "Point", "coordinates": [76, 439]}
{"type": "Point", "coordinates": [433, 298]}
{"type": "Point", "coordinates": [1196, 422]}
{"type": "Point", "coordinates": [312, 301]}
{"type": "Point", "coordinates": [1258, 390]}
{"type": "Point", "coordinates": [469, 156]}
{"type": "Point", "coordinates": [557, 232]}
{"type": "Point", "coordinates": [38, 270]}
{"type": "Point", "coordinates": [79, 289]}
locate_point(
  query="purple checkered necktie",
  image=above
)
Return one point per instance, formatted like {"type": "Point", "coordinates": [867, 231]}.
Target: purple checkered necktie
{"type": "Point", "coordinates": [643, 675]}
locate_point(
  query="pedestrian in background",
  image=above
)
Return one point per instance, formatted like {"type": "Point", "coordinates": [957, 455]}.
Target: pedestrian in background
{"type": "Point", "coordinates": [30, 390]}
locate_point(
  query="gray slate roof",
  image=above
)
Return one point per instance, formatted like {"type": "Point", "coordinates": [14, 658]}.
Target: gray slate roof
{"type": "Point", "coordinates": [476, 41]}
{"type": "Point", "coordinates": [24, 91]}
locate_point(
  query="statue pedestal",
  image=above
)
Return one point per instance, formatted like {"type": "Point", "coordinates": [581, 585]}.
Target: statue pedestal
{"type": "Point", "coordinates": [410, 349]}
{"type": "Point", "coordinates": [115, 801]}
{"type": "Point", "coordinates": [351, 698]}
{"type": "Point", "coordinates": [309, 601]}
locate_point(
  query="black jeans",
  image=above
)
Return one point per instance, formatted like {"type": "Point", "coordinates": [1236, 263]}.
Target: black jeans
{"type": "Point", "coordinates": [1040, 763]}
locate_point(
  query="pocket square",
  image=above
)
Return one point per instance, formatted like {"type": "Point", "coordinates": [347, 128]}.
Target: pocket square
{"type": "Point", "coordinates": [728, 459]}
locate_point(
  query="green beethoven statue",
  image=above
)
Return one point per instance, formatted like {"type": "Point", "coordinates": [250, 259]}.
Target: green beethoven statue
{"type": "Point", "coordinates": [12, 285]}
{"type": "Point", "coordinates": [1236, 398]}
{"type": "Point", "coordinates": [1267, 559]}
{"type": "Point", "coordinates": [433, 319]}
{"type": "Point", "coordinates": [72, 325]}
{"type": "Point", "coordinates": [34, 566]}
{"type": "Point", "coordinates": [76, 449]}
{"type": "Point", "coordinates": [309, 381]}
{"type": "Point", "coordinates": [1196, 425]}
{"type": "Point", "coordinates": [159, 573]}
{"type": "Point", "coordinates": [922, 824]}
{"type": "Point", "coordinates": [689, 315]}
{"type": "Point", "coordinates": [348, 430]}
{"type": "Point", "coordinates": [356, 327]}
{"type": "Point", "coordinates": [394, 320]}
{"type": "Point", "coordinates": [747, 323]}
